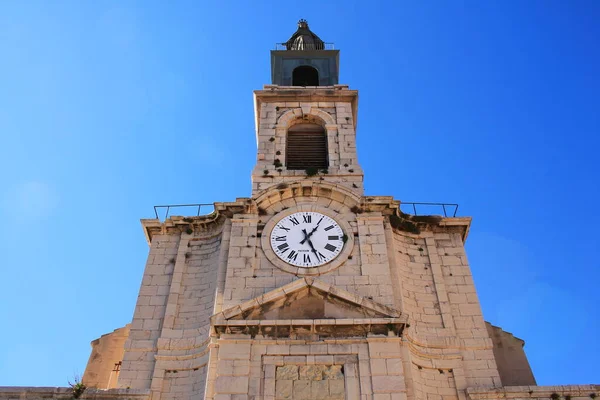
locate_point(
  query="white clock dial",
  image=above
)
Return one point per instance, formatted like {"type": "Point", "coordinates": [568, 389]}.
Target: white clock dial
{"type": "Point", "coordinates": [307, 239]}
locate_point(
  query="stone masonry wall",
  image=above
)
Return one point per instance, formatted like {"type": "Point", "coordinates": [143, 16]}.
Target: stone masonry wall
{"type": "Point", "coordinates": [510, 357]}
{"type": "Point", "coordinates": [304, 382]}
{"type": "Point", "coordinates": [366, 270]}
{"type": "Point", "coordinates": [186, 384]}
{"type": "Point", "coordinates": [106, 352]}
{"type": "Point", "coordinates": [171, 323]}
{"type": "Point", "coordinates": [337, 119]}
{"type": "Point", "coordinates": [439, 296]}
{"type": "Point", "coordinates": [198, 285]}
{"type": "Point", "coordinates": [369, 368]}
{"type": "Point", "coordinates": [140, 347]}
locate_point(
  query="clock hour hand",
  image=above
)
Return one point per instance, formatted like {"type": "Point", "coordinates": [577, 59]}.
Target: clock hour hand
{"type": "Point", "coordinates": [310, 244]}
{"type": "Point", "coordinates": [311, 232]}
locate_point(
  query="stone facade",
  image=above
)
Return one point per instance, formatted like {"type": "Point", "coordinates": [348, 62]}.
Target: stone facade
{"type": "Point", "coordinates": [104, 365]}
{"type": "Point", "coordinates": [278, 108]}
{"type": "Point", "coordinates": [395, 316]}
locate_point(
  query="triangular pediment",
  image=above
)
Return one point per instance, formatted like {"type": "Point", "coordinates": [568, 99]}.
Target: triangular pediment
{"type": "Point", "coordinates": [308, 298]}
{"type": "Point", "coordinates": [309, 306]}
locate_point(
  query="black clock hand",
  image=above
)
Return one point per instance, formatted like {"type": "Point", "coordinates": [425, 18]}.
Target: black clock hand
{"type": "Point", "coordinates": [311, 232]}
{"type": "Point", "coordinates": [310, 244]}
{"type": "Point", "coordinates": [313, 250]}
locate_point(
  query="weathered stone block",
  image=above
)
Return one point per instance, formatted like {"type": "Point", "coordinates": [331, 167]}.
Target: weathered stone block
{"type": "Point", "coordinates": [336, 388]}
{"type": "Point", "coordinates": [287, 372]}
{"type": "Point", "coordinates": [312, 372]}
{"type": "Point", "coordinates": [319, 390]}
{"type": "Point", "coordinates": [284, 389]}
{"type": "Point", "coordinates": [334, 372]}
{"type": "Point", "coordinates": [301, 390]}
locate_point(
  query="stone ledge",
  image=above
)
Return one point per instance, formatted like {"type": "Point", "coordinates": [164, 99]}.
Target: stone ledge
{"type": "Point", "coordinates": [32, 393]}
{"type": "Point", "coordinates": [532, 392]}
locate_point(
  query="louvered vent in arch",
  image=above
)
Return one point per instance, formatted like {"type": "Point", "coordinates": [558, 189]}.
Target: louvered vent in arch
{"type": "Point", "coordinates": [306, 147]}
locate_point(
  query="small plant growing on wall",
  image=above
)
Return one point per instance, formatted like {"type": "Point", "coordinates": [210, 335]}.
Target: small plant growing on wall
{"type": "Point", "coordinates": [278, 153]}
{"type": "Point", "coordinates": [324, 171]}
{"type": "Point", "coordinates": [311, 171]}
{"type": "Point", "coordinates": [77, 387]}
{"type": "Point", "coordinates": [266, 172]}
{"type": "Point", "coordinates": [277, 163]}
{"type": "Point", "coordinates": [262, 211]}
{"type": "Point", "coordinates": [403, 224]}
{"type": "Point", "coordinates": [271, 139]}
{"type": "Point", "coordinates": [189, 231]}
{"type": "Point", "coordinates": [555, 396]}
{"type": "Point", "coordinates": [356, 210]}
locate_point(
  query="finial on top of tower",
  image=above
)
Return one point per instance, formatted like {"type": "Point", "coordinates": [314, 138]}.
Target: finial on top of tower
{"type": "Point", "coordinates": [302, 23]}
{"type": "Point", "coordinates": [304, 39]}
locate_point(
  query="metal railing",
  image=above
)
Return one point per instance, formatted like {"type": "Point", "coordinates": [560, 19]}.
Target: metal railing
{"type": "Point", "coordinates": [446, 208]}
{"type": "Point", "coordinates": [158, 210]}
{"type": "Point", "coordinates": [307, 46]}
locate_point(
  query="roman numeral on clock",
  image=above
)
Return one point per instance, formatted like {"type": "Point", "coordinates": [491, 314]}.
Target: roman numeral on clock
{"type": "Point", "coordinates": [306, 258]}
{"type": "Point", "coordinates": [292, 256]}
{"type": "Point", "coordinates": [333, 238]}
{"type": "Point", "coordinates": [329, 227]}
{"type": "Point", "coordinates": [306, 218]}
{"type": "Point", "coordinates": [280, 238]}
{"type": "Point", "coordinates": [283, 246]}
{"type": "Point", "coordinates": [283, 227]}
{"type": "Point", "coordinates": [330, 247]}
{"type": "Point", "coordinates": [294, 221]}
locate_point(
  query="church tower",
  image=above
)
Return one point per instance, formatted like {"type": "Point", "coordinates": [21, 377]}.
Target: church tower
{"type": "Point", "coordinates": [305, 121]}
{"type": "Point", "coordinates": [308, 289]}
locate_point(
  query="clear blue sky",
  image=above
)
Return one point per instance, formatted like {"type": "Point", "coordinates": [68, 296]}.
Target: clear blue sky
{"type": "Point", "coordinates": [109, 108]}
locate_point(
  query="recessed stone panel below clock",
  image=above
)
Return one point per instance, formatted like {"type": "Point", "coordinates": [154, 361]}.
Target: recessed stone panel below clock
{"type": "Point", "coordinates": [308, 382]}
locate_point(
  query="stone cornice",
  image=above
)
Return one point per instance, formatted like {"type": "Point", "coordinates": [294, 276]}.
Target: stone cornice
{"type": "Point", "coordinates": [531, 392]}
{"type": "Point", "coordinates": [28, 392]}
{"type": "Point", "coordinates": [205, 224]}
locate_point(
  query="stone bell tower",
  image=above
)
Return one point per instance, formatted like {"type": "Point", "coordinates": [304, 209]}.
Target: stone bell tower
{"type": "Point", "coordinates": [305, 121]}
{"type": "Point", "coordinates": [309, 289]}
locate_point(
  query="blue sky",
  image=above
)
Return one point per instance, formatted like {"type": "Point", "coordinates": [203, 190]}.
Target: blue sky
{"type": "Point", "coordinates": [110, 108]}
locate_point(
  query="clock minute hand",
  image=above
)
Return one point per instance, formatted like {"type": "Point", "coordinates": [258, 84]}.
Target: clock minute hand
{"type": "Point", "coordinates": [311, 232]}
{"type": "Point", "coordinates": [310, 244]}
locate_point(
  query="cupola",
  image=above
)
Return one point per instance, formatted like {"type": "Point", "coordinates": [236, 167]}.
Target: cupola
{"type": "Point", "coordinates": [304, 60]}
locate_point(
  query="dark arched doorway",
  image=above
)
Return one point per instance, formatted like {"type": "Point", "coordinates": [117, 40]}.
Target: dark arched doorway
{"type": "Point", "coordinates": [305, 76]}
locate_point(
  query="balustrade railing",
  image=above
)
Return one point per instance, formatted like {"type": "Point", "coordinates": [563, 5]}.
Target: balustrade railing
{"type": "Point", "coordinates": [162, 212]}
{"type": "Point", "coordinates": [306, 46]}
{"type": "Point", "coordinates": [445, 209]}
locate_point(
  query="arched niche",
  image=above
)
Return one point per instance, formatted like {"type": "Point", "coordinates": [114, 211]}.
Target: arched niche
{"type": "Point", "coordinates": [305, 75]}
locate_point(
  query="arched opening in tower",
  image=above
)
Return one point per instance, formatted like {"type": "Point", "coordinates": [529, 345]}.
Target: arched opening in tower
{"type": "Point", "coordinates": [306, 147]}
{"type": "Point", "coordinates": [305, 76]}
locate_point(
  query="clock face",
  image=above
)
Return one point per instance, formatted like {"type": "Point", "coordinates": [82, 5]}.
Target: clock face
{"type": "Point", "coordinates": [307, 239]}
